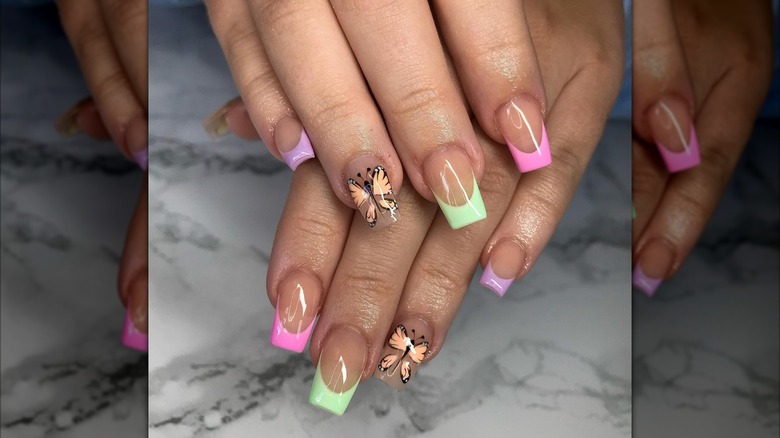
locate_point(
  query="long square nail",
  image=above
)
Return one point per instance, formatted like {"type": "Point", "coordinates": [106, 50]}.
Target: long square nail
{"type": "Point", "coordinates": [520, 122]}
{"type": "Point", "coordinates": [672, 128]}
{"type": "Point", "coordinates": [449, 175]}
{"type": "Point", "coordinates": [338, 371]}
{"type": "Point", "coordinates": [297, 304]}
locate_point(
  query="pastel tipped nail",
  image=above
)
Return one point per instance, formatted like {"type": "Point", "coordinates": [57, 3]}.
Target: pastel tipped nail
{"type": "Point", "coordinates": [296, 310]}
{"type": "Point", "coordinates": [141, 158]}
{"type": "Point", "coordinates": [490, 280]}
{"type": "Point", "coordinates": [293, 142]}
{"type": "Point", "coordinates": [216, 125]}
{"type": "Point", "coordinates": [671, 126]}
{"type": "Point", "coordinates": [131, 337]}
{"type": "Point", "coordinates": [655, 262]}
{"type": "Point", "coordinates": [137, 138]}
{"type": "Point", "coordinates": [406, 348]}
{"type": "Point", "coordinates": [645, 283]}
{"type": "Point", "coordinates": [338, 371]}
{"type": "Point", "coordinates": [520, 122]}
{"type": "Point", "coordinates": [67, 124]}
{"type": "Point", "coordinates": [449, 175]}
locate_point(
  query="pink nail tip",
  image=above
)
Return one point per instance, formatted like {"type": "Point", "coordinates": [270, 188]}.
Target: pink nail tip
{"type": "Point", "coordinates": [132, 338]}
{"type": "Point", "coordinates": [528, 161]}
{"type": "Point", "coordinates": [679, 161]}
{"type": "Point", "coordinates": [302, 152]}
{"type": "Point", "coordinates": [490, 280]}
{"type": "Point", "coordinates": [141, 158]}
{"type": "Point", "coordinates": [643, 282]}
{"type": "Point", "coordinates": [285, 340]}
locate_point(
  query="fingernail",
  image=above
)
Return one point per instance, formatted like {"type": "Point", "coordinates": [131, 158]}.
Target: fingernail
{"type": "Point", "coordinates": [671, 126]}
{"type": "Point", "coordinates": [506, 260]}
{"type": "Point", "coordinates": [216, 125]}
{"type": "Point", "coordinates": [338, 370]}
{"type": "Point", "coordinates": [296, 308]}
{"type": "Point", "coordinates": [132, 337]}
{"type": "Point", "coordinates": [67, 124]}
{"type": "Point", "coordinates": [520, 122]}
{"type": "Point", "coordinates": [404, 351]}
{"type": "Point", "coordinates": [449, 175]}
{"type": "Point", "coordinates": [293, 142]}
{"type": "Point", "coordinates": [138, 141]}
{"type": "Point", "coordinates": [653, 266]}
{"type": "Point", "coordinates": [371, 191]}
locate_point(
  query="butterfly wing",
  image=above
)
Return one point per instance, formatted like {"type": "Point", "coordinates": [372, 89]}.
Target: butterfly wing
{"type": "Point", "coordinates": [406, 371]}
{"type": "Point", "coordinates": [382, 191]}
{"type": "Point", "coordinates": [398, 338]}
{"type": "Point", "coordinates": [417, 354]}
{"type": "Point", "coordinates": [358, 193]}
{"type": "Point", "coordinates": [388, 361]}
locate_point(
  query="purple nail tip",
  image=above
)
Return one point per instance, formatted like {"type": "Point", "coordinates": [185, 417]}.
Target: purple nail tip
{"type": "Point", "coordinates": [302, 152]}
{"type": "Point", "coordinates": [132, 338]}
{"type": "Point", "coordinates": [646, 284]}
{"type": "Point", "coordinates": [679, 161]}
{"type": "Point", "coordinates": [490, 280]}
{"type": "Point", "coordinates": [141, 158]}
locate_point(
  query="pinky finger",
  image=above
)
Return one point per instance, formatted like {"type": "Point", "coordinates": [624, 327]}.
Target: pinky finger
{"type": "Point", "coordinates": [82, 117]}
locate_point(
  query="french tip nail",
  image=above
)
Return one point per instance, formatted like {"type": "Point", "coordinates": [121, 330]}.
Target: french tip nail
{"type": "Point", "coordinates": [141, 158]}
{"type": "Point", "coordinates": [302, 152]}
{"type": "Point", "coordinates": [529, 161]}
{"type": "Point", "coordinates": [490, 280]}
{"type": "Point", "coordinates": [322, 397]}
{"type": "Point", "coordinates": [66, 124]}
{"type": "Point", "coordinates": [281, 338]}
{"type": "Point", "coordinates": [645, 283]}
{"type": "Point", "coordinates": [679, 161]}
{"type": "Point", "coordinates": [463, 215]}
{"type": "Point", "coordinates": [131, 337]}
{"type": "Point", "coordinates": [216, 125]}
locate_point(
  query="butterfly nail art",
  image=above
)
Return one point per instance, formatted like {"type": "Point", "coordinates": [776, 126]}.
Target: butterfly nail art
{"type": "Point", "coordinates": [373, 195]}
{"type": "Point", "coordinates": [407, 350]}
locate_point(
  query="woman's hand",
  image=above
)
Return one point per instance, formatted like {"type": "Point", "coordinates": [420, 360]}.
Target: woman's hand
{"type": "Point", "coordinates": [701, 70]}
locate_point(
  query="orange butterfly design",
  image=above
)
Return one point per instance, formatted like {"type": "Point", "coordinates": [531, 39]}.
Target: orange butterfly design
{"type": "Point", "coordinates": [374, 194]}
{"type": "Point", "coordinates": [407, 348]}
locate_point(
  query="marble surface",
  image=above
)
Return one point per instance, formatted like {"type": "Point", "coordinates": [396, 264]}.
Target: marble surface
{"type": "Point", "coordinates": [552, 358]}
{"type": "Point", "coordinates": [65, 205]}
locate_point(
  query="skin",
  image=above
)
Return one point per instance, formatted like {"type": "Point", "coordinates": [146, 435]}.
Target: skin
{"type": "Point", "coordinates": [717, 58]}
{"type": "Point", "coordinates": [419, 267]}
{"type": "Point", "coordinates": [109, 39]}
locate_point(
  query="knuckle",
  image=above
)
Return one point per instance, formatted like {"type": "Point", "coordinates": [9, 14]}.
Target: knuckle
{"type": "Point", "coordinates": [442, 276]}
{"type": "Point", "coordinates": [317, 232]}
{"type": "Point", "coordinates": [126, 12]}
{"type": "Point", "coordinates": [497, 182]}
{"type": "Point", "coordinates": [111, 83]}
{"type": "Point", "coordinates": [239, 42]}
{"type": "Point", "coordinates": [334, 108]}
{"type": "Point", "coordinates": [89, 39]}
{"type": "Point", "coordinates": [279, 13]}
{"type": "Point", "coordinates": [717, 165]}
{"type": "Point", "coordinates": [369, 290]}
{"type": "Point", "coordinates": [359, 6]}
{"type": "Point", "coordinates": [419, 100]}
{"type": "Point", "coordinates": [260, 87]}
{"type": "Point", "coordinates": [569, 165]}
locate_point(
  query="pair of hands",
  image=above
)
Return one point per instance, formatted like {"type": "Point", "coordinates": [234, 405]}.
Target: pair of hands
{"type": "Point", "coordinates": [109, 38]}
{"type": "Point", "coordinates": [701, 70]}
{"type": "Point", "coordinates": [294, 67]}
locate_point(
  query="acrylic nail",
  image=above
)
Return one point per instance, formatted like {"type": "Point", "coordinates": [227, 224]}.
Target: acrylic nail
{"type": "Point", "coordinates": [520, 122]}
{"type": "Point", "coordinates": [216, 125]}
{"type": "Point", "coordinates": [653, 266]}
{"type": "Point", "coordinates": [132, 337]}
{"type": "Point", "coordinates": [293, 142]}
{"type": "Point", "coordinates": [67, 124]}
{"type": "Point", "coordinates": [137, 138]}
{"type": "Point", "coordinates": [504, 264]}
{"type": "Point", "coordinates": [671, 126]}
{"type": "Point", "coordinates": [449, 174]}
{"type": "Point", "coordinates": [297, 305]}
{"type": "Point", "coordinates": [405, 349]}
{"type": "Point", "coordinates": [338, 370]}
{"type": "Point", "coordinates": [370, 188]}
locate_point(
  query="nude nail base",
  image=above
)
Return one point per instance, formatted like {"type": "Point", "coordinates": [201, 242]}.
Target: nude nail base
{"type": "Point", "coordinates": [528, 161]}
{"type": "Point", "coordinates": [645, 283]}
{"type": "Point", "coordinates": [490, 280]}
{"type": "Point", "coordinates": [404, 351]}
{"type": "Point", "coordinates": [132, 338]}
{"type": "Point", "coordinates": [285, 340]}
{"type": "Point", "coordinates": [679, 161]}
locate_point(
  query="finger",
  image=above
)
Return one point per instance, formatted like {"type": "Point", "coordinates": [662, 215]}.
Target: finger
{"type": "Point", "coordinates": [308, 244]}
{"type": "Point", "coordinates": [541, 197]}
{"type": "Point", "coordinates": [399, 51]}
{"type": "Point", "coordinates": [496, 61]}
{"type": "Point", "coordinates": [648, 181]}
{"type": "Point", "coordinates": [690, 198]}
{"type": "Point", "coordinates": [82, 117]}
{"type": "Point", "coordinates": [440, 276]}
{"type": "Point", "coordinates": [122, 113]}
{"type": "Point", "coordinates": [128, 24]}
{"type": "Point", "coordinates": [133, 276]}
{"type": "Point", "coordinates": [332, 99]}
{"type": "Point", "coordinates": [232, 117]}
{"type": "Point", "coordinates": [663, 99]}
{"type": "Point", "coordinates": [361, 302]}
{"type": "Point", "coordinates": [266, 103]}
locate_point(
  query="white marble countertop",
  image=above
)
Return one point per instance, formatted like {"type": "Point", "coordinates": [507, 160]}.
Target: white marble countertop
{"type": "Point", "coordinates": [553, 355]}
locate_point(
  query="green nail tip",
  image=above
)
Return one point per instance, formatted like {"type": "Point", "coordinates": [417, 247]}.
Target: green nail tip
{"type": "Point", "coordinates": [633, 213]}
{"type": "Point", "coordinates": [466, 214]}
{"type": "Point", "coordinates": [322, 397]}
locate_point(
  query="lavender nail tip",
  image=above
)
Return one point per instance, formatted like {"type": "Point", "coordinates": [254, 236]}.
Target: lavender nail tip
{"type": "Point", "coordinates": [141, 158]}
{"type": "Point", "coordinates": [643, 282]}
{"type": "Point", "coordinates": [490, 280]}
{"type": "Point", "coordinates": [302, 152]}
